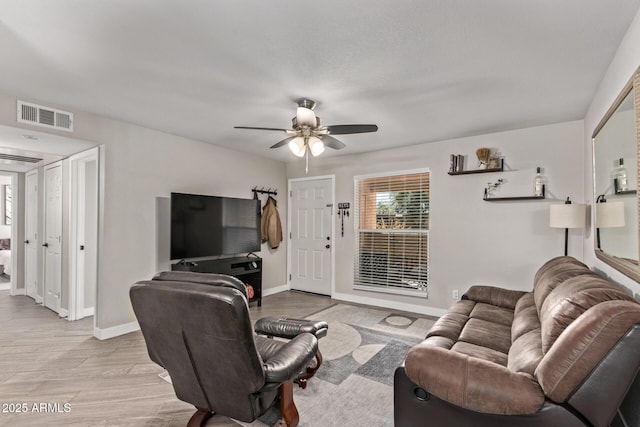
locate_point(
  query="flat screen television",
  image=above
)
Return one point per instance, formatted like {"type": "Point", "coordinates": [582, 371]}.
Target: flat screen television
{"type": "Point", "coordinates": [203, 226]}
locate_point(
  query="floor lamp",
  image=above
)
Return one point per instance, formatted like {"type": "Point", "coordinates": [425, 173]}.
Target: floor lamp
{"type": "Point", "coordinates": [567, 216]}
{"type": "Point", "coordinates": [608, 215]}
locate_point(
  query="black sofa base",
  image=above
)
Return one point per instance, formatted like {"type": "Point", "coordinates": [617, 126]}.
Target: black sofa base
{"type": "Point", "coordinates": [412, 411]}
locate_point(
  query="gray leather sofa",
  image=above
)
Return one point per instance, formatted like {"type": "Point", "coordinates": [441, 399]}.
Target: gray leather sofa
{"type": "Point", "coordinates": [565, 354]}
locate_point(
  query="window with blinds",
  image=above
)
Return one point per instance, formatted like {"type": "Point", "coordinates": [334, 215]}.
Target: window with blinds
{"type": "Point", "coordinates": [392, 232]}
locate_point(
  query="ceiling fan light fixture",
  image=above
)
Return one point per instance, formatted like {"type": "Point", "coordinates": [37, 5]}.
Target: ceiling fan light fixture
{"type": "Point", "coordinates": [316, 146]}
{"type": "Point", "coordinates": [297, 146]}
{"type": "Point", "coordinates": [305, 116]}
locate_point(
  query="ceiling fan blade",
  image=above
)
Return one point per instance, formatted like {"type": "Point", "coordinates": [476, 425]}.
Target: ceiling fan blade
{"type": "Point", "coordinates": [331, 142]}
{"type": "Point", "coordinates": [283, 142]}
{"type": "Point", "coordinates": [258, 128]}
{"type": "Point", "coordinates": [345, 129]}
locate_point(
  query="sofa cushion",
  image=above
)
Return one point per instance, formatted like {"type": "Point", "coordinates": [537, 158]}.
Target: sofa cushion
{"type": "Point", "coordinates": [471, 382]}
{"type": "Point", "coordinates": [576, 295]}
{"type": "Point", "coordinates": [491, 313]}
{"type": "Point", "coordinates": [583, 344]}
{"type": "Point", "coordinates": [487, 334]}
{"type": "Point", "coordinates": [498, 297]}
{"type": "Point", "coordinates": [525, 317]}
{"type": "Point", "coordinates": [553, 273]}
{"type": "Point", "coordinates": [449, 326]}
{"type": "Point", "coordinates": [476, 329]}
{"type": "Point", "coordinates": [526, 352]}
{"type": "Point", "coordinates": [481, 352]}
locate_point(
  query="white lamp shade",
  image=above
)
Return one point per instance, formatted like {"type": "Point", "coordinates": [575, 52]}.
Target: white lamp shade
{"type": "Point", "coordinates": [297, 146]}
{"type": "Point", "coordinates": [316, 146]}
{"type": "Point", "coordinates": [571, 215]}
{"type": "Point", "coordinates": [610, 214]}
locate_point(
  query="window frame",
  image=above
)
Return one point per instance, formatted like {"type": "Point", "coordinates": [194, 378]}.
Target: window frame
{"type": "Point", "coordinates": [420, 231]}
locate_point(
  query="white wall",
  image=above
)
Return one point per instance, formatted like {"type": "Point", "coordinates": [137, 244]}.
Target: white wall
{"type": "Point", "coordinates": [471, 241]}
{"type": "Point", "coordinates": [623, 65]}
{"type": "Point", "coordinates": [141, 165]}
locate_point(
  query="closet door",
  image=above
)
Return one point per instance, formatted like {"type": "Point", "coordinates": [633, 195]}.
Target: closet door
{"type": "Point", "coordinates": [53, 236]}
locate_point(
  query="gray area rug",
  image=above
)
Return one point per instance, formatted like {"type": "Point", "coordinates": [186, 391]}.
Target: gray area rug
{"type": "Point", "coordinates": [354, 386]}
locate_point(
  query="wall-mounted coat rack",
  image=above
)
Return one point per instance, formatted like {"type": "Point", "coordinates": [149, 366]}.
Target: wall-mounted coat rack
{"type": "Point", "coordinates": [261, 190]}
{"type": "Point", "coordinates": [343, 210]}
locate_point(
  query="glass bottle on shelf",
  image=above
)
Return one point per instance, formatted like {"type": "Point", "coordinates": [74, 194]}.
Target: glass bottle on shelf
{"type": "Point", "coordinates": [620, 177]}
{"type": "Point", "coordinates": [538, 183]}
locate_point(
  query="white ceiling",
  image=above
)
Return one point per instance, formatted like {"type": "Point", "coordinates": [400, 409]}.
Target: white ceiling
{"type": "Point", "coordinates": [423, 70]}
{"type": "Point", "coordinates": [47, 147]}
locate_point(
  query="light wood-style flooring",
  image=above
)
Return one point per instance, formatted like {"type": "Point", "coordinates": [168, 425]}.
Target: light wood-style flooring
{"type": "Point", "coordinates": [47, 362]}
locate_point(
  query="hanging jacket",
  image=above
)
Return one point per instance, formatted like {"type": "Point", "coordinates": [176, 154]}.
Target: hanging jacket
{"type": "Point", "coordinates": [270, 226]}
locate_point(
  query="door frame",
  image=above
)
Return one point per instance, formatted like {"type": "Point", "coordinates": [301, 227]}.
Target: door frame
{"type": "Point", "coordinates": [77, 182]}
{"type": "Point", "coordinates": [15, 200]}
{"type": "Point", "coordinates": [37, 297]}
{"type": "Point", "coordinates": [332, 231]}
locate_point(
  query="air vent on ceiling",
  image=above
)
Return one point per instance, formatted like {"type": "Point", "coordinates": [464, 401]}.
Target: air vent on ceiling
{"type": "Point", "coordinates": [17, 158]}
{"type": "Point", "coordinates": [38, 115]}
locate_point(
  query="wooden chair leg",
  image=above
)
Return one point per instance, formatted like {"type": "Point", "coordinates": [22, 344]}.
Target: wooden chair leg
{"type": "Point", "coordinates": [311, 371]}
{"type": "Point", "coordinates": [200, 418]}
{"type": "Point", "coordinates": [288, 408]}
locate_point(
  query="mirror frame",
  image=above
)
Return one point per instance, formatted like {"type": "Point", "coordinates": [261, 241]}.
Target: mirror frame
{"type": "Point", "coordinates": [632, 85]}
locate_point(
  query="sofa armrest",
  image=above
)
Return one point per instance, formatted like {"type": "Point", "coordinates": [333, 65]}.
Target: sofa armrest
{"type": "Point", "coordinates": [473, 383]}
{"type": "Point", "coordinates": [495, 296]}
{"type": "Point", "coordinates": [290, 359]}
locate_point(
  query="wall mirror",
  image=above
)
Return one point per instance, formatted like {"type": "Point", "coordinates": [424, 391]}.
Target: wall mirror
{"type": "Point", "coordinates": [616, 143]}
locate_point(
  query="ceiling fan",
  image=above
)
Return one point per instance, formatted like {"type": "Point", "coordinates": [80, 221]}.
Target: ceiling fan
{"type": "Point", "coordinates": [308, 135]}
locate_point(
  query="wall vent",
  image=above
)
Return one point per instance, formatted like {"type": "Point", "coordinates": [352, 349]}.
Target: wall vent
{"type": "Point", "coordinates": [18, 158]}
{"type": "Point", "coordinates": [38, 115]}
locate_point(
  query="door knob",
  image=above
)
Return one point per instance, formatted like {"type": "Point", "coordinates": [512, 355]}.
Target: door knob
{"type": "Point", "coordinates": [82, 247]}
{"type": "Point", "coordinates": [46, 245]}
{"type": "Point", "coordinates": [26, 242]}
{"type": "Point", "coordinates": [327, 246]}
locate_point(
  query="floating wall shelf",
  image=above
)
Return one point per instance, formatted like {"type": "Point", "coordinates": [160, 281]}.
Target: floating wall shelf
{"type": "Point", "coordinates": [468, 172]}
{"type": "Point", "coordinates": [620, 193]}
{"type": "Point", "coordinates": [504, 199]}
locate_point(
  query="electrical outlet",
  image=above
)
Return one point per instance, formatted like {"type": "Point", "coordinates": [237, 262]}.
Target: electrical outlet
{"type": "Point", "coordinates": [454, 294]}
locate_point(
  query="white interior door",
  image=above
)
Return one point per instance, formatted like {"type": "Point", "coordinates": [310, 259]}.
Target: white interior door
{"type": "Point", "coordinates": [311, 233]}
{"type": "Point", "coordinates": [53, 236]}
{"type": "Point", "coordinates": [31, 235]}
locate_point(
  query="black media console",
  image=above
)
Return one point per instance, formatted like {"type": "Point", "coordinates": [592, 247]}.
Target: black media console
{"type": "Point", "coordinates": [247, 269]}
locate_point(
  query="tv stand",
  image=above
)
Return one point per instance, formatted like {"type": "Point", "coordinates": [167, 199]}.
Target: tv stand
{"type": "Point", "coordinates": [247, 269]}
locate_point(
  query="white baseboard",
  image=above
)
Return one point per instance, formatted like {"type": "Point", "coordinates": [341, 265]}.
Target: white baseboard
{"type": "Point", "coordinates": [63, 312]}
{"type": "Point", "coordinates": [115, 331]}
{"type": "Point", "coordinates": [88, 311]}
{"type": "Point", "coordinates": [5, 287]}
{"type": "Point", "coordinates": [19, 291]}
{"type": "Point", "coordinates": [411, 308]}
{"type": "Point", "coordinates": [276, 290]}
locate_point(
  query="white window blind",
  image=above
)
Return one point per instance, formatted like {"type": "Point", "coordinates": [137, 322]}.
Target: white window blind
{"type": "Point", "coordinates": [392, 238]}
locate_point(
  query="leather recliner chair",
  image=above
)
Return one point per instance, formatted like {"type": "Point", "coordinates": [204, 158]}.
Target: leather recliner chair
{"type": "Point", "coordinates": [202, 335]}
